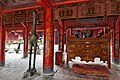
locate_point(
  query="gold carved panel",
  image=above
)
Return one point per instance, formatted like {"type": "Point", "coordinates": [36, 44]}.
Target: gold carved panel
{"type": "Point", "coordinates": [89, 48]}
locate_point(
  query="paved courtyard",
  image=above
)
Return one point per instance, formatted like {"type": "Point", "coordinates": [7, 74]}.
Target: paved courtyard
{"type": "Point", "coordinates": [16, 65]}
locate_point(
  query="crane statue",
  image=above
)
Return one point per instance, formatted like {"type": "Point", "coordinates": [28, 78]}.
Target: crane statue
{"type": "Point", "coordinates": [33, 43]}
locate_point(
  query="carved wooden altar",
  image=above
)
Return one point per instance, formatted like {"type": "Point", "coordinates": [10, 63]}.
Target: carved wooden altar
{"type": "Point", "coordinates": [89, 48]}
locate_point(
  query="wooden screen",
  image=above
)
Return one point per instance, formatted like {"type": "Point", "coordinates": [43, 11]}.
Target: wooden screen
{"type": "Point", "coordinates": [89, 48]}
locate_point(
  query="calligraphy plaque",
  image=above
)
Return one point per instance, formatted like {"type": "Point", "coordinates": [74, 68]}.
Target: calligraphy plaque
{"type": "Point", "coordinates": [90, 10]}
{"type": "Point", "coordinates": [64, 13]}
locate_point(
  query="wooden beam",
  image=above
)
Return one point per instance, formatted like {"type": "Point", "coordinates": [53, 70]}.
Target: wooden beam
{"type": "Point", "coordinates": [68, 2]}
{"type": "Point", "coordinates": [23, 24]}
{"type": "Point", "coordinates": [18, 9]}
{"type": "Point", "coordinates": [44, 3]}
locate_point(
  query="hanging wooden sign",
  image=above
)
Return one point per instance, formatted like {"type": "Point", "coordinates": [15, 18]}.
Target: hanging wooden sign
{"type": "Point", "coordinates": [89, 10]}
{"type": "Point", "coordinates": [64, 13]}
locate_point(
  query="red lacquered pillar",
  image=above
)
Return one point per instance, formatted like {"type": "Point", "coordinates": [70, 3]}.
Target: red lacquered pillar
{"type": "Point", "coordinates": [116, 54]}
{"type": "Point", "coordinates": [25, 54]}
{"type": "Point", "coordinates": [59, 54]}
{"type": "Point", "coordinates": [67, 34]}
{"type": "Point", "coordinates": [119, 42]}
{"type": "Point", "coordinates": [48, 57]}
{"type": "Point", "coordinates": [61, 36]}
{"type": "Point", "coordinates": [95, 33]}
{"type": "Point", "coordinates": [2, 43]}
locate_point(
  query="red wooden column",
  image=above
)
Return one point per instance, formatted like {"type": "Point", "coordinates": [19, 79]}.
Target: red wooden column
{"type": "Point", "coordinates": [95, 33]}
{"type": "Point", "coordinates": [59, 54]}
{"type": "Point", "coordinates": [48, 56]}
{"type": "Point", "coordinates": [119, 39]}
{"type": "Point", "coordinates": [113, 44]}
{"type": "Point", "coordinates": [48, 42]}
{"type": "Point", "coordinates": [25, 42]}
{"type": "Point", "coordinates": [61, 35]}
{"type": "Point", "coordinates": [67, 33]}
{"type": "Point", "coordinates": [2, 43]}
{"type": "Point", "coordinates": [25, 37]}
{"type": "Point", "coordinates": [116, 54]}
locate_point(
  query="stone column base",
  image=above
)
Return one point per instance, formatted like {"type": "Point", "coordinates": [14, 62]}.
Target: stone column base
{"type": "Point", "coordinates": [2, 63]}
{"type": "Point", "coordinates": [116, 60]}
{"type": "Point", "coordinates": [48, 71]}
{"type": "Point", "coordinates": [25, 55]}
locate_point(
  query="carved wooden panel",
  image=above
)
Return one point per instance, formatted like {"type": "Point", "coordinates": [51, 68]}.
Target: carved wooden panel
{"type": "Point", "coordinates": [86, 23]}
{"type": "Point", "coordinates": [64, 13]}
{"type": "Point", "coordinates": [90, 10]}
{"type": "Point", "coordinates": [7, 18]}
{"type": "Point", "coordinates": [115, 8]}
{"type": "Point", "coordinates": [14, 3]}
{"type": "Point", "coordinates": [19, 16]}
{"type": "Point", "coordinates": [30, 15]}
{"type": "Point", "coordinates": [22, 16]}
{"type": "Point", "coordinates": [88, 48]}
{"type": "Point", "coordinates": [40, 14]}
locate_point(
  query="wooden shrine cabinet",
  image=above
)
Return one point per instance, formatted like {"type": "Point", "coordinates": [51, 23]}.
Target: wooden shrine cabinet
{"type": "Point", "coordinates": [89, 48]}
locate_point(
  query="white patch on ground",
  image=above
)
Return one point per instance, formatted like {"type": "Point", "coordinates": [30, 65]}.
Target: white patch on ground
{"type": "Point", "coordinates": [16, 65]}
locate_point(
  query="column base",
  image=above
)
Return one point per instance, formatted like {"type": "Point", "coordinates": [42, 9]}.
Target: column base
{"type": "Point", "coordinates": [2, 64]}
{"type": "Point", "coordinates": [116, 60]}
{"type": "Point", "coordinates": [48, 74]}
{"type": "Point", "coordinates": [25, 56]}
{"type": "Point", "coordinates": [48, 71]}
